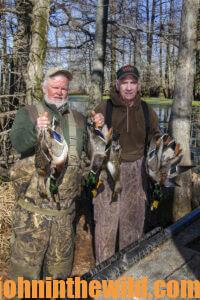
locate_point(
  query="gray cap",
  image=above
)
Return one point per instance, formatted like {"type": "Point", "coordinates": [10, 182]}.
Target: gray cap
{"type": "Point", "coordinates": [58, 70]}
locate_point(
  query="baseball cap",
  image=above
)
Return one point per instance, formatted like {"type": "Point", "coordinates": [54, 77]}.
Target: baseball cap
{"type": "Point", "coordinates": [55, 70]}
{"type": "Point", "coordinates": [128, 70]}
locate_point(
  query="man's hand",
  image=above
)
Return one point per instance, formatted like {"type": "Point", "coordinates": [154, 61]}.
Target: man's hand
{"type": "Point", "coordinates": [43, 121]}
{"type": "Point", "coordinates": [98, 119]}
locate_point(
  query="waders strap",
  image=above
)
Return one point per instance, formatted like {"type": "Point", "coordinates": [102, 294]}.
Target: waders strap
{"type": "Point", "coordinates": [147, 125]}
{"type": "Point", "coordinates": [73, 155]}
{"type": "Point", "coordinates": [108, 117]}
{"type": "Point", "coordinates": [44, 211]}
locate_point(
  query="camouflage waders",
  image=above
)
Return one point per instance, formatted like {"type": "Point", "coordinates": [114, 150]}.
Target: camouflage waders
{"type": "Point", "coordinates": [44, 234]}
{"type": "Point", "coordinates": [128, 212]}
{"type": "Point", "coordinates": [46, 242]}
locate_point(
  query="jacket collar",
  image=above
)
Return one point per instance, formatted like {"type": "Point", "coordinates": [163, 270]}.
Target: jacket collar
{"type": "Point", "coordinates": [63, 109]}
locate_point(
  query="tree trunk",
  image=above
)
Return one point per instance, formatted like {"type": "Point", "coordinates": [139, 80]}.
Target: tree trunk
{"type": "Point", "coordinates": [161, 93]}
{"type": "Point", "coordinates": [113, 9]}
{"type": "Point", "coordinates": [197, 76]}
{"type": "Point", "coordinates": [172, 71]}
{"type": "Point", "coordinates": [4, 57]}
{"type": "Point", "coordinates": [96, 89]}
{"type": "Point", "coordinates": [172, 50]}
{"type": "Point", "coordinates": [150, 42]}
{"type": "Point", "coordinates": [170, 68]}
{"type": "Point", "coordinates": [123, 50]}
{"type": "Point", "coordinates": [150, 29]}
{"type": "Point", "coordinates": [167, 71]}
{"type": "Point", "coordinates": [147, 77]}
{"type": "Point", "coordinates": [40, 17]}
{"type": "Point", "coordinates": [179, 125]}
{"type": "Point", "coordinates": [21, 48]}
{"type": "Point", "coordinates": [137, 48]}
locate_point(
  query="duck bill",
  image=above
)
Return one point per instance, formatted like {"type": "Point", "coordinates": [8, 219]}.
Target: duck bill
{"type": "Point", "coordinates": [169, 183]}
{"type": "Point", "coordinates": [182, 169]}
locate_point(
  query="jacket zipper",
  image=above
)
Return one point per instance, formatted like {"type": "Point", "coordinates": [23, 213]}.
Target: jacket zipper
{"type": "Point", "coordinates": [127, 119]}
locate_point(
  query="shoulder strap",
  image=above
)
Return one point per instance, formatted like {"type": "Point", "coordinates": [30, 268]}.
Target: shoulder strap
{"type": "Point", "coordinates": [109, 108]}
{"type": "Point", "coordinates": [72, 137]}
{"type": "Point", "coordinates": [147, 124]}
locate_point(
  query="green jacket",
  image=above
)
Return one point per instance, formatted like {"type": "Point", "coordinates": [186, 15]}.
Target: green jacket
{"type": "Point", "coordinates": [23, 133]}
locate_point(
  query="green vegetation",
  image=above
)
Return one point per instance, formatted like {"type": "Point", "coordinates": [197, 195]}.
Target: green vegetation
{"type": "Point", "coordinates": [159, 101]}
{"type": "Point", "coordinates": [164, 101]}
{"type": "Point", "coordinates": [196, 103]}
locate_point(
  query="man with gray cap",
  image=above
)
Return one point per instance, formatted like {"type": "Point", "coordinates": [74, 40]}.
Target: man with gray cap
{"type": "Point", "coordinates": [50, 136]}
{"type": "Point", "coordinates": [124, 112]}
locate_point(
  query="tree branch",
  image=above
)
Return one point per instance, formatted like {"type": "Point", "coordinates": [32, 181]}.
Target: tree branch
{"type": "Point", "coordinates": [165, 36]}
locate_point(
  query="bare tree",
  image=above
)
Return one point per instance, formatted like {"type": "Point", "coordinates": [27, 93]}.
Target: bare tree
{"type": "Point", "coordinates": [150, 29]}
{"type": "Point", "coordinates": [113, 8]}
{"type": "Point", "coordinates": [161, 50]}
{"type": "Point", "coordinates": [182, 105]}
{"type": "Point", "coordinates": [137, 50]}
{"type": "Point", "coordinates": [197, 77]}
{"type": "Point", "coordinates": [40, 17]}
{"type": "Point", "coordinates": [4, 68]}
{"type": "Point", "coordinates": [170, 54]}
{"type": "Point", "coordinates": [96, 89]}
{"type": "Point", "coordinates": [21, 49]}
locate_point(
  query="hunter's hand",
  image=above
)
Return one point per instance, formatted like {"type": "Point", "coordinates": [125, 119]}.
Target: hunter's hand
{"type": "Point", "coordinates": [43, 121]}
{"type": "Point", "coordinates": [98, 119]}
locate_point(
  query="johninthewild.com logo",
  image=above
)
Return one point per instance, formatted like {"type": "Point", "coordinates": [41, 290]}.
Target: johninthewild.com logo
{"type": "Point", "coordinates": [124, 287]}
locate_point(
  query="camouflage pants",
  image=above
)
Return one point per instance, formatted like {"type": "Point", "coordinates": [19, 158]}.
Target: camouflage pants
{"type": "Point", "coordinates": [42, 245]}
{"type": "Point", "coordinates": [127, 214]}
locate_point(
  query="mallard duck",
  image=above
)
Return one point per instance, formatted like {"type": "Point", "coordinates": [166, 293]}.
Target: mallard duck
{"type": "Point", "coordinates": [50, 157]}
{"type": "Point", "coordinates": [105, 154]}
{"type": "Point", "coordinates": [113, 165]}
{"type": "Point", "coordinates": [163, 158]}
{"type": "Point", "coordinates": [99, 138]}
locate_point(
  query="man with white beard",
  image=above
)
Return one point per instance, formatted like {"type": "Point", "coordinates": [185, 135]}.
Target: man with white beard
{"type": "Point", "coordinates": [44, 237]}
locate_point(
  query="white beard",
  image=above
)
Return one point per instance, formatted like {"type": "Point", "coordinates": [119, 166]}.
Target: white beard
{"type": "Point", "coordinates": [57, 104]}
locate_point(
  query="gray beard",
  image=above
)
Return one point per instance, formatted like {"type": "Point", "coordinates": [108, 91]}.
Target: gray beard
{"type": "Point", "coordinates": [57, 104]}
